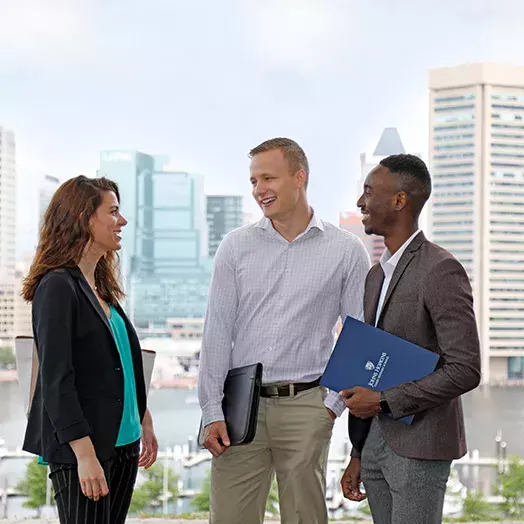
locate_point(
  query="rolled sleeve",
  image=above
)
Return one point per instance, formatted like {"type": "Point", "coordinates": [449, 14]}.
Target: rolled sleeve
{"type": "Point", "coordinates": [74, 432]}
{"type": "Point", "coordinates": [335, 403]}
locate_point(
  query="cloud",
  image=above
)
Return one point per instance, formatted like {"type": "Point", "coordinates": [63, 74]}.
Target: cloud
{"type": "Point", "coordinates": [305, 36]}
{"type": "Point", "coordinates": [45, 34]}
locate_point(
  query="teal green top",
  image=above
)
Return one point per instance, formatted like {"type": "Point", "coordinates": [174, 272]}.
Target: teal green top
{"type": "Point", "coordinates": [130, 429]}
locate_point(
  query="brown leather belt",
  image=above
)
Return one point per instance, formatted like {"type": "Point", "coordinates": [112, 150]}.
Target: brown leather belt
{"type": "Point", "coordinates": [288, 390]}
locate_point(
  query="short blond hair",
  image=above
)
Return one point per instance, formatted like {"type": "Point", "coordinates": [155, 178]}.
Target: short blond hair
{"type": "Point", "coordinates": [292, 152]}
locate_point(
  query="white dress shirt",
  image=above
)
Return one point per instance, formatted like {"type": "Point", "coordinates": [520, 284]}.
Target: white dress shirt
{"type": "Point", "coordinates": [389, 263]}
{"type": "Point", "coordinates": [277, 302]}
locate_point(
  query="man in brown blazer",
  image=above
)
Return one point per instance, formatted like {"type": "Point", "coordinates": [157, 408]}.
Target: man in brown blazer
{"type": "Point", "coordinates": [421, 293]}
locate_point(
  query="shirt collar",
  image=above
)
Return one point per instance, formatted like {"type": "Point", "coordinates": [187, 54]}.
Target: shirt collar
{"type": "Point", "coordinates": [315, 222]}
{"type": "Point", "coordinates": [389, 262]}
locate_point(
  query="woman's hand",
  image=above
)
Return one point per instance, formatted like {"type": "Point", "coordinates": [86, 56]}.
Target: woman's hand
{"type": "Point", "coordinates": [92, 478]}
{"type": "Point", "coordinates": [90, 472]}
{"type": "Point", "coordinates": [149, 442]}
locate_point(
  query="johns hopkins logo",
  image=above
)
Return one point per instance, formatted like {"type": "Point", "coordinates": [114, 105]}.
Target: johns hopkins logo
{"type": "Point", "coordinates": [377, 369]}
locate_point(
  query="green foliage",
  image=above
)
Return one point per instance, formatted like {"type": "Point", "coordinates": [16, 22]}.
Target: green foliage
{"type": "Point", "coordinates": [460, 520]}
{"type": "Point", "coordinates": [201, 501]}
{"type": "Point", "coordinates": [33, 486]}
{"type": "Point", "coordinates": [7, 358]}
{"type": "Point", "coordinates": [363, 507]}
{"type": "Point", "coordinates": [149, 494]}
{"type": "Point", "coordinates": [475, 507]}
{"type": "Point", "coordinates": [272, 507]}
{"type": "Point", "coordinates": [140, 500]}
{"type": "Point", "coordinates": [512, 489]}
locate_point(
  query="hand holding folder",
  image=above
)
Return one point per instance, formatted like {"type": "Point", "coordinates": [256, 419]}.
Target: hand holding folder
{"type": "Point", "coordinates": [375, 359]}
{"type": "Point", "coordinates": [240, 404]}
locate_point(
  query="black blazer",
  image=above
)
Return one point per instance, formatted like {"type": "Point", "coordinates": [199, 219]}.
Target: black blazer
{"type": "Point", "coordinates": [80, 385]}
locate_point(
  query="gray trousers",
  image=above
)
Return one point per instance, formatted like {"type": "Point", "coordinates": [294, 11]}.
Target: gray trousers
{"type": "Point", "coordinates": [402, 490]}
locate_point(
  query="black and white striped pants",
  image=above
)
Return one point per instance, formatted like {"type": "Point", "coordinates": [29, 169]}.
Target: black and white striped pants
{"type": "Point", "coordinates": [75, 508]}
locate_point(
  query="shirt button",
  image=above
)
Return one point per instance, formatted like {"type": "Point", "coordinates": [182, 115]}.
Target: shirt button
{"type": "Point", "coordinates": [117, 369]}
{"type": "Point", "coordinates": [270, 348]}
{"type": "Point", "coordinates": [119, 400]}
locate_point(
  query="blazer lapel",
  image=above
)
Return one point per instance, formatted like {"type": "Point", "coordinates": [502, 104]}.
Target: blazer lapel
{"type": "Point", "coordinates": [399, 270]}
{"type": "Point", "coordinates": [88, 292]}
{"type": "Point", "coordinates": [372, 294]}
{"type": "Point", "coordinates": [403, 263]}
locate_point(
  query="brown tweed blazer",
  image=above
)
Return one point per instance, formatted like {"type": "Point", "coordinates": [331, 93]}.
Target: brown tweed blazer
{"type": "Point", "coordinates": [429, 302]}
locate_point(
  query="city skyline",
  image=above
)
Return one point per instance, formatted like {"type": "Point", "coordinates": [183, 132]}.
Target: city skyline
{"type": "Point", "coordinates": [330, 80]}
{"type": "Point", "coordinates": [168, 98]}
{"type": "Point", "coordinates": [164, 257]}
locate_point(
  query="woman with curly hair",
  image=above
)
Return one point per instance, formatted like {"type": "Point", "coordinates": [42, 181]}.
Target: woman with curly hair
{"type": "Point", "coordinates": [89, 412]}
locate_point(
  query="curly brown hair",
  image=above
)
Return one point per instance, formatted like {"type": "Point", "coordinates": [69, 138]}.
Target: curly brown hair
{"type": "Point", "coordinates": [65, 232]}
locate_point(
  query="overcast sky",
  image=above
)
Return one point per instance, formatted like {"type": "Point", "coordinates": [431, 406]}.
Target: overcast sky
{"type": "Point", "coordinates": [204, 81]}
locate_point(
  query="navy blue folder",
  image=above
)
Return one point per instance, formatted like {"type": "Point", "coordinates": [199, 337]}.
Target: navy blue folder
{"type": "Point", "coordinates": [372, 358]}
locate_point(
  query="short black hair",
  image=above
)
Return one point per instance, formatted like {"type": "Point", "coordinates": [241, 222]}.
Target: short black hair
{"type": "Point", "coordinates": [413, 178]}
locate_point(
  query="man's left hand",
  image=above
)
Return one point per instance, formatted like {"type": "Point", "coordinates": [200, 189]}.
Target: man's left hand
{"type": "Point", "coordinates": [362, 402]}
{"type": "Point", "coordinates": [149, 442]}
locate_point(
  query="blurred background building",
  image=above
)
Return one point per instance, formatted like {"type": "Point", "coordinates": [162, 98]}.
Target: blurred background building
{"type": "Point", "coordinates": [476, 131]}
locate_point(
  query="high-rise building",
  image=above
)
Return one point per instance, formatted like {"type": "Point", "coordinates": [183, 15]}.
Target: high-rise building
{"type": "Point", "coordinates": [7, 235]}
{"type": "Point", "coordinates": [7, 311]}
{"type": "Point", "coordinates": [7, 203]}
{"type": "Point", "coordinates": [22, 309]}
{"type": "Point", "coordinates": [224, 213]}
{"type": "Point", "coordinates": [176, 283]}
{"type": "Point", "coordinates": [165, 244]}
{"type": "Point", "coordinates": [133, 172]}
{"type": "Point", "coordinates": [46, 191]}
{"type": "Point", "coordinates": [476, 127]}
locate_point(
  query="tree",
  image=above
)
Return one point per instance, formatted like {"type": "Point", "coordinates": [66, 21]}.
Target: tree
{"type": "Point", "coordinates": [149, 493]}
{"type": "Point", "coordinates": [475, 507]}
{"type": "Point", "coordinates": [272, 506]}
{"type": "Point", "coordinates": [7, 358]}
{"type": "Point", "coordinates": [364, 508]}
{"type": "Point", "coordinates": [201, 501]}
{"type": "Point", "coordinates": [512, 488]}
{"type": "Point", "coordinates": [33, 486]}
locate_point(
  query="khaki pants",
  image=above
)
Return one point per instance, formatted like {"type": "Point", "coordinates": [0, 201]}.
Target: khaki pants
{"type": "Point", "coordinates": [292, 440]}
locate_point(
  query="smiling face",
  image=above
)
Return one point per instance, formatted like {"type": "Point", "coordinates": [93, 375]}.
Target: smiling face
{"type": "Point", "coordinates": [107, 223]}
{"type": "Point", "coordinates": [276, 188]}
{"type": "Point", "coordinates": [380, 202]}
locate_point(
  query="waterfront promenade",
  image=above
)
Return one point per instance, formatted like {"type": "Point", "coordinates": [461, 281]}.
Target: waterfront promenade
{"type": "Point", "coordinates": [186, 521]}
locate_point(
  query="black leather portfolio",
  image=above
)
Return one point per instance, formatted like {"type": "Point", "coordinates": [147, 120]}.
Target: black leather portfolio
{"type": "Point", "coordinates": [240, 403]}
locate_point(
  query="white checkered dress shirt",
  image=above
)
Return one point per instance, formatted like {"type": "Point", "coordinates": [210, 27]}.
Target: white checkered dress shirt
{"type": "Point", "coordinates": [278, 302]}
